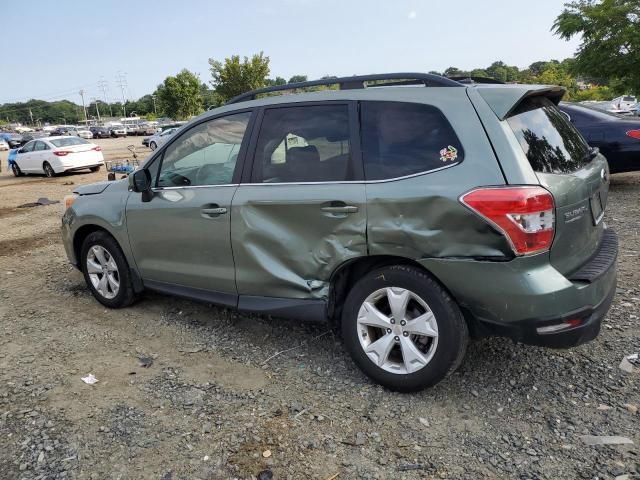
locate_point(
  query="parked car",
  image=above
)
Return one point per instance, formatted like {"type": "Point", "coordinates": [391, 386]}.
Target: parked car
{"type": "Point", "coordinates": [412, 217]}
{"type": "Point", "coordinates": [3, 144]}
{"type": "Point", "coordinates": [14, 140]}
{"type": "Point", "coordinates": [53, 155]}
{"type": "Point", "coordinates": [149, 129]}
{"type": "Point", "coordinates": [63, 130]}
{"type": "Point", "coordinates": [624, 103]}
{"type": "Point", "coordinates": [159, 139]}
{"type": "Point", "coordinates": [117, 131]}
{"type": "Point", "coordinates": [27, 137]}
{"type": "Point", "coordinates": [617, 137]}
{"type": "Point", "coordinates": [100, 132]}
{"type": "Point", "coordinates": [84, 132]}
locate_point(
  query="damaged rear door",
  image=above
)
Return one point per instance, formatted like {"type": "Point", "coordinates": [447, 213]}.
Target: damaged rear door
{"type": "Point", "coordinates": [302, 210]}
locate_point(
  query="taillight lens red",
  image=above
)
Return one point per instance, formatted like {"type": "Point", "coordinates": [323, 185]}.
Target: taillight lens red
{"type": "Point", "coordinates": [97, 148]}
{"type": "Point", "coordinates": [61, 153]}
{"type": "Point", "coordinates": [634, 134]}
{"type": "Point", "coordinates": [525, 215]}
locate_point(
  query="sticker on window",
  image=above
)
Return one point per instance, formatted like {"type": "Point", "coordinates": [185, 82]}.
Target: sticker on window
{"type": "Point", "coordinates": [448, 154]}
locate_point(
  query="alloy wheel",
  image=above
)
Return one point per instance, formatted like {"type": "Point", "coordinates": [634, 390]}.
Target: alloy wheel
{"type": "Point", "coordinates": [103, 271]}
{"type": "Point", "coordinates": [397, 330]}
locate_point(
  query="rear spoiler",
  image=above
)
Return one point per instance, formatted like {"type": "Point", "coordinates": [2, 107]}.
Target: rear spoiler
{"type": "Point", "coordinates": [504, 99]}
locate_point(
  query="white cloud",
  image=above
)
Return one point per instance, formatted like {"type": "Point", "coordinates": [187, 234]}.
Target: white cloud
{"type": "Point", "coordinates": [412, 14]}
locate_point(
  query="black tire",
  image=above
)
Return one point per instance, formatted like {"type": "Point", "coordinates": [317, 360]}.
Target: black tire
{"type": "Point", "coordinates": [453, 333]}
{"type": "Point", "coordinates": [48, 170]}
{"type": "Point", "coordinates": [126, 295]}
{"type": "Point", "coordinates": [16, 170]}
{"type": "Point", "coordinates": [153, 145]}
{"type": "Point", "coordinates": [95, 169]}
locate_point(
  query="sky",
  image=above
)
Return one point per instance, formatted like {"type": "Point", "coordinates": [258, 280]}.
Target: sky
{"type": "Point", "coordinates": [59, 47]}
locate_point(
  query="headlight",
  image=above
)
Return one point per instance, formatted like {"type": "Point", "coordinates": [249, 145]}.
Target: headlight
{"type": "Point", "coordinates": [68, 201]}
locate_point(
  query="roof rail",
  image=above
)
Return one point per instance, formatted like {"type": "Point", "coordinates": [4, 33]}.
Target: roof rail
{"type": "Point", "coordinates": [466, 79]}
{"type": "Point", "coordinates": [356, 82]}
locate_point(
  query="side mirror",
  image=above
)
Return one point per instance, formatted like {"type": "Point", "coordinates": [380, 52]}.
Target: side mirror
{"type": "Point", "coordinates": [140, 181]}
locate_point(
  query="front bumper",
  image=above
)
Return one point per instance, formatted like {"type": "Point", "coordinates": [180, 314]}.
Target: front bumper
{"type": "Point", "coordinates": [517, 298]}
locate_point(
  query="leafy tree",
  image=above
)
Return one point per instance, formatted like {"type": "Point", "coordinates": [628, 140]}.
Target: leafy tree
{"type": "Point", "coordinates": [272, 82]}
{"type": "Point", "coordinates": [610, 32]}
{"type": "Point", "coordinates": [297, 79]}
{"type": "Point", "coordinates": [454, 72]}
{"type": "Point", "coordinates": [234, 77]}
{"type": "Point", "coordinates": [179, 97]}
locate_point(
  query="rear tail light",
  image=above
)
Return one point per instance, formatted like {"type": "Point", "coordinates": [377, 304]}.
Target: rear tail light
{"type": "Point", "coordinates": [61, 153]}
{"type": "Point", "coordinates": [634, 134]}
{"type": "Point", "coordinates": [558, 327]}
{"type": "Point", "coordinates": [525, 215]}
{"type": "Point", "coordinates": [97, 148]}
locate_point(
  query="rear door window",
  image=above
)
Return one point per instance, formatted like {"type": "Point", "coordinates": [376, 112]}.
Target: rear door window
{"type": "Point", "coordinates": [550, 142]}
{"type": "Point", "coordinates": [303, 144]}
{"type": "Point", "coordinates": [400, 139]}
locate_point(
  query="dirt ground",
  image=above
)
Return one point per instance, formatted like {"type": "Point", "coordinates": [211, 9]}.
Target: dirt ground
{"type": "Point", "coordinates": [234, 396]}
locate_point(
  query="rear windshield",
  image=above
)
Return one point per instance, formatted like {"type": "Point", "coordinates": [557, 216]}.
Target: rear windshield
{"type": "Point", "coordinates": [68, 141]}
{"type": "Point", "coordinates": [552, 144]}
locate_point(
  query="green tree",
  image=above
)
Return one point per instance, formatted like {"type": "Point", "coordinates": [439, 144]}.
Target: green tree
{"type": "Point", "coordinates": [297, 79]}
{"type": "Point", "coordinates": [272, 82]}
{"type": "Point", "coordinates": [454, 72]}
{"type": "Point", "coordinates": [610, 32]}
{"type": "Point", "coordinates": [179, 97]}
{"type": "Point", "coordinates": [234, 77]}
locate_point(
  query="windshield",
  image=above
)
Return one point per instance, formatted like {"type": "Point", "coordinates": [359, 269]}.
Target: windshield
{"type": "Point", "coordinates": [69, 141]}
{"type": "Point", "coordinates": [551, 143]}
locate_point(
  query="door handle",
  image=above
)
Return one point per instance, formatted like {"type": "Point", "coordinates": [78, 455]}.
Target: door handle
{"type": "Point", "coordinates": [213, 211]}
{"type": "Point", "coordinates": [340, 209]}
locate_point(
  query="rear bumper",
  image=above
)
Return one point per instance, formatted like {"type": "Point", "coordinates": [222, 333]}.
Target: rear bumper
{"type": "Point", "coordinates": [517, 298]}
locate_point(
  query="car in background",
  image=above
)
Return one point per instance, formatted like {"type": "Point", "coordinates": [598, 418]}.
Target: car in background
{"type": "Point", "coordinates": [159, 139]}
{"type": "Point", "coordinates": [3, 144]}
{"type": "Point", "coordinates": [84, 132]}
{"type": "Point", "coordinates": [624, 103]}
{"type": "Point", "coordinates": [616, 136]}
{"type": "Point", "coordinates": [149, 128]}
{"type": "Point", "coordinates": [100, 132]}
{"type": "Point", "coordinates": [117, 131]}
{"type": "Point", "coordinates": [27, 137]}
{"type": "Point", "coordinates": [53, 155]}
{"type": "Point", "coordinates": [63, 130]}
{"type": "Point", "coordinates": [48, 128]}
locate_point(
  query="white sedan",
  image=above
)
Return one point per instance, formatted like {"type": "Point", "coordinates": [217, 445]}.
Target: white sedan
{"type": "Point", "coordinates": [53, 155]}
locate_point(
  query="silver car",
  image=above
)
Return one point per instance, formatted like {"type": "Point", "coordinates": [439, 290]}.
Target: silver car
{"type": "Point", "coordinates": [159, 139]}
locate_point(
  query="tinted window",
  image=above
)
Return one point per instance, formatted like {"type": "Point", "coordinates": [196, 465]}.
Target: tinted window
{"type": "Point", "coordinates": [400, 139]}
{"type": "Point", "coordinates": [69, 141]}
{"type": "Point", "coordinates": [28, 147]}
{"type": "Point", "coordinates": [303, 144]}
{"type": "Point", "coordinates": [205, 154]}
{"type": "Point", "coordinates": [552, 144]}
{"type": "Point", "coordinates": [40, 146]}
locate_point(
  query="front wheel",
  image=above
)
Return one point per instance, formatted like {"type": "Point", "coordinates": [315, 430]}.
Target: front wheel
{"type": "Point", "coordinates": [106, 270]}
{"type": "Point", "coordinates": [16, 170]}
{"type": "Point", "coordinates": [95, 169]}
{"type": "Point", "coordinates": [403, 329]}
{"type": "Point", "coordinates": [153, 145]}
{"type": "Point", "coordinates": [48, 170]}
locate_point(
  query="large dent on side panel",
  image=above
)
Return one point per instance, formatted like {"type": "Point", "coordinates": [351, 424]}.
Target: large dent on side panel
{"type": "Point", "coordinates": [300, 261]}
{"type": "Point", "coordinates": [431, 227]}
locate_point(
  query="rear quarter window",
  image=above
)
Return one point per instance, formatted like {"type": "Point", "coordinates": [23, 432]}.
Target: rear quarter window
{"type": "Point", "coordinates": [550, 142]}
{"type": "Point", "coordinates": [401, 139]}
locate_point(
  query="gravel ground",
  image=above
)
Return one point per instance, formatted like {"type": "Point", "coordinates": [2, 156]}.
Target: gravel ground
{"type": "Point", "coordinates": [234, 396]}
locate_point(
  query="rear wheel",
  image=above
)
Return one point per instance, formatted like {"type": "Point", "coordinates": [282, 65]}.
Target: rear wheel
{"type": "Point", "coordinates": [16, 170]}
{"type": "Point", "coordinates": [403, 329]}
{"type": "Point", "coordinates": [48, 170]}
{"type": "Point", "coordinates": [106, 270]}
{"type": "Point", "coordinates": [95, 169]}
{"type": "Point", "coordinates": [153, 145]}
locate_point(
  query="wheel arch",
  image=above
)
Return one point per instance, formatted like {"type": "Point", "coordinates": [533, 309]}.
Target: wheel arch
{"type": "Point", "coordinates": [348, 273]}
{"type": "Point", "coordinates": [83, 232]}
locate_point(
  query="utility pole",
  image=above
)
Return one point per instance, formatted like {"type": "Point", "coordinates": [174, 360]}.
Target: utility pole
{"type": "Point", "coordinates": [155, 110]}
{"type": "Point", "coordinates": [84, 108]}
{"type": "Point", "coordinates": [103, 86]}
{"type": "Point", "coordinates": [95, 100]}
{"type": "Point", "coordinates": [121, 81]}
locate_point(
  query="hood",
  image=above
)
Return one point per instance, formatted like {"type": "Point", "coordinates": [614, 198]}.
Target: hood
{"type": "Point", "coordinates": [92, 188]}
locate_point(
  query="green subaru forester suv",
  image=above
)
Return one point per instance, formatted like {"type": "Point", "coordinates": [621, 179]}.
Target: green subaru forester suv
{"type": "Point", "coordinates": [410, 210]}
